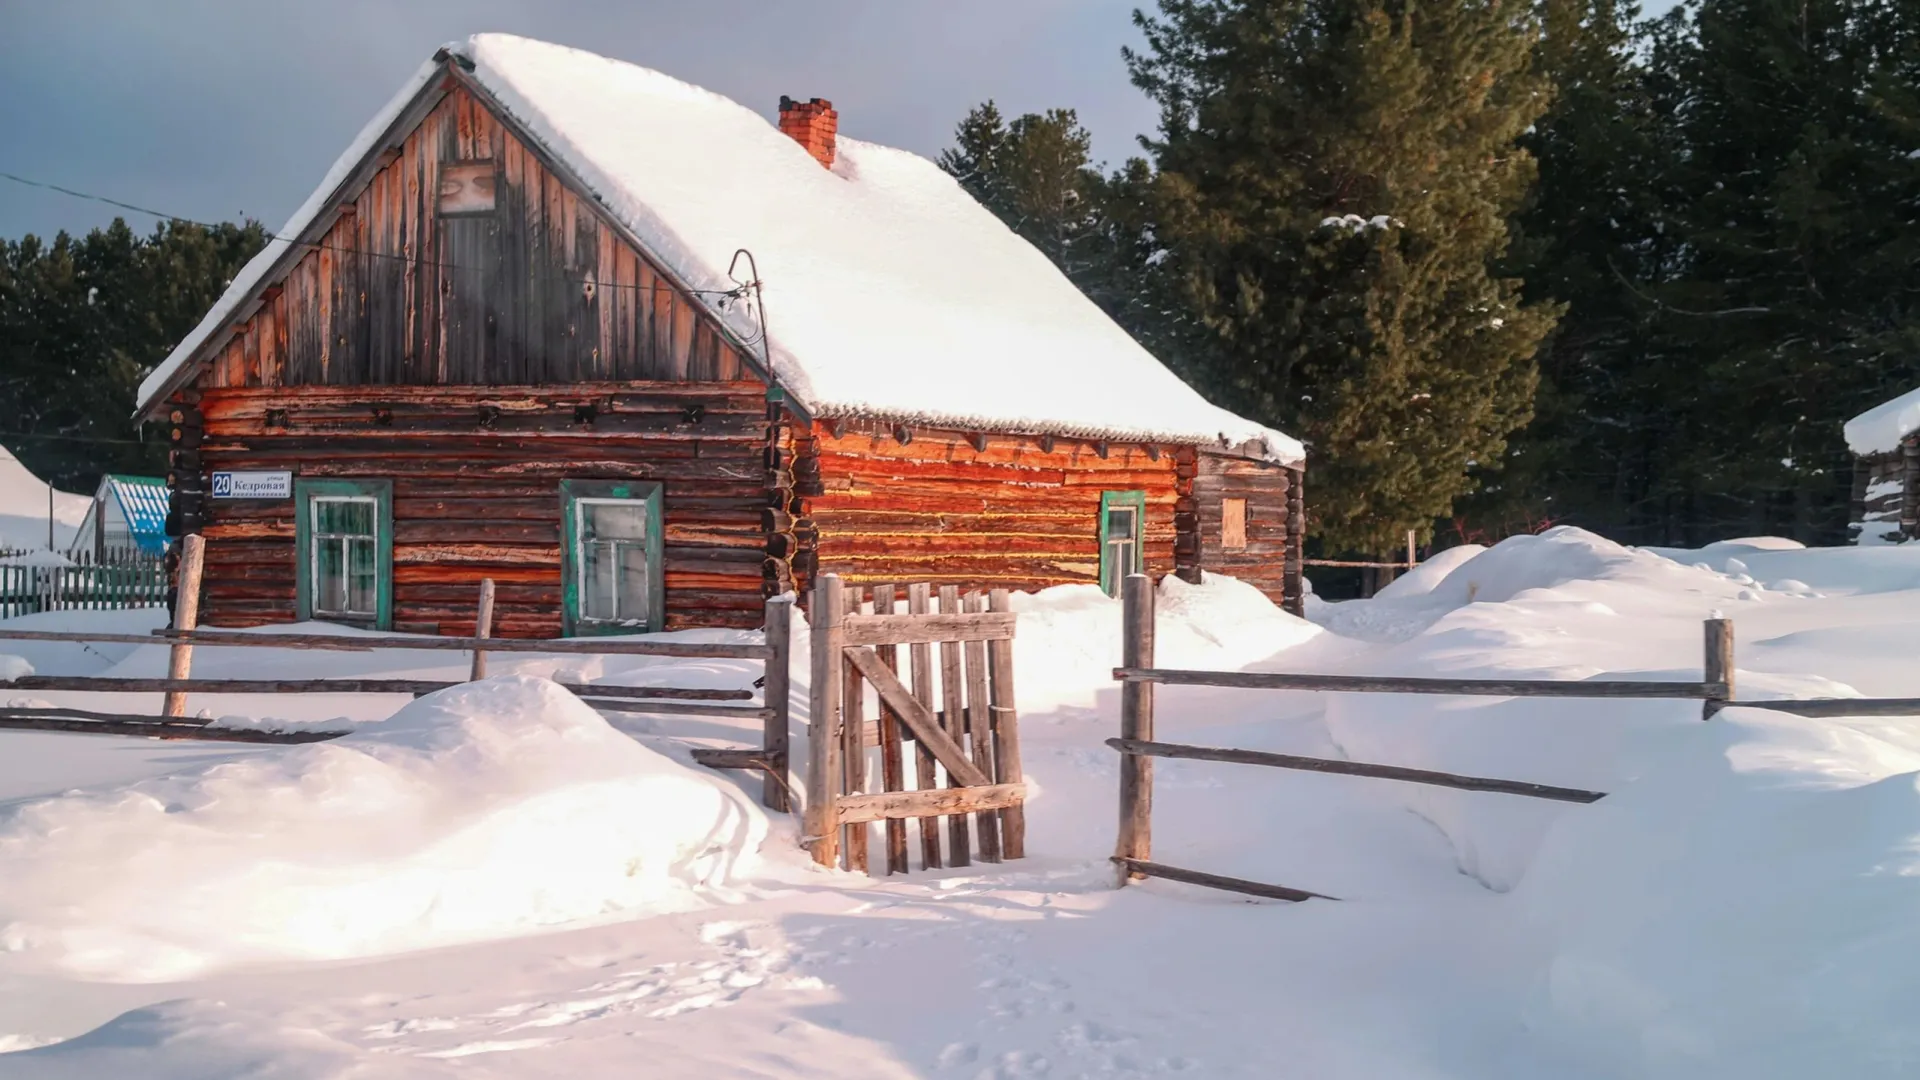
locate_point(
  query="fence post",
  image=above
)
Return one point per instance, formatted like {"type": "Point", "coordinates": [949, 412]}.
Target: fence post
{"type": "Point", "coordinates": [1411, 553]}
{"type": "Point", "coordinates": [186, 615]}
{"type": "Point", "coordinates": [1136, 722]}
{"type": "Point", "coordinates": [1719, 666]}
{"type": "Point", "coordinates": [778, 690]}
{"type": "Point", "coordinates": [823, 716]}
{"type": "Point", "coordinates": [483, 628]}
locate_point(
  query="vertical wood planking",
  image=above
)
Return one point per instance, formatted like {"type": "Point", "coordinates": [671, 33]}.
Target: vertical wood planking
{"type": "Point", "coordinates": [920, 654]}
{"type": "Point", "coordinates": [1006, 732]}
{"type": "Point", "coordinates": [853, 744]}
{"type": "Point", "coordinates": [1136, 722]}
{"type": "Point", "coordinates": [892, 773]}
{"type": "Point", "coordinates": [980, 729]}
{"type": "Point", "coordinates": [823, 718]}
{"type": "Point", "coordinates": [778, 694]}
{"type": "Point", "coordinates": [954, 719]}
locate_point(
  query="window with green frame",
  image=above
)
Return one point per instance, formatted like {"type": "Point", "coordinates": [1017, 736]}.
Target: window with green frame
{"type": "Point", "coordinates": [611, 557]}
{"type": "Point", "coordinates": [1123, 522]}
{"type": "Point", "coordinates": [344, 539]}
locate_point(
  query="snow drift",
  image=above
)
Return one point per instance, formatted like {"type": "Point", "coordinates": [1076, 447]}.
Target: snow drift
{"type": "Point", "coordinates": [1745, 908]}
{"type": "Point", "coordinates": [483, 810]}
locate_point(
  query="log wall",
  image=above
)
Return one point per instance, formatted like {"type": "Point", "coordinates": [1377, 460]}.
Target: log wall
{"type": "Point", "coordinates": [1263, 561]}
{"type": "Point", "coordinates": [1020, 513]}
{"type": "Point", "coordinates": [539, 290]}
{"type": "Point", "coordinates": [476, 498]}
{"type": "Point", "coordinates": [1886, 495]}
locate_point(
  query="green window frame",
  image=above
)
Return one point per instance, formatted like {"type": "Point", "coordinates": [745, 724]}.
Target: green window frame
{"type": "Point", "coordinates": [321, 538]}
{"type": "Point", "coordinates": [1122, 548]}
{"type": "Point", "coordinates": [597, 571]}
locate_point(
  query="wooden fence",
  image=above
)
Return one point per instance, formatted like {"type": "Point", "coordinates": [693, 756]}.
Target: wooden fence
{"type": "Point", "coordinates": [173, 722]}
{"type": "Point", "coordinates": [1133, 853]}
{"type": "Point", "coordinates": [118, 580]}
{"type": "Point", "coordinates": [961, 724]}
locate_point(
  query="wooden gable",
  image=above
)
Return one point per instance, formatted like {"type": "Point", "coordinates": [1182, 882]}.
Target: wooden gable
{"type": "Point", "coordinates": [510, 277]}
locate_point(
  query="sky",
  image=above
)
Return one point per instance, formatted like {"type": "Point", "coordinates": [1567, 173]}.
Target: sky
{"type": "Point", "coordinates": [220, 110]}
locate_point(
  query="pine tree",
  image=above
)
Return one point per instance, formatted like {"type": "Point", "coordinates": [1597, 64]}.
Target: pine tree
{"type": "Point", "coordinates": [1594, 235]}
{"type": "Point", "coordinates": [1794, 303]}
{"type": "Point", "coordinates": [82, 321]}
{"type": "Point", "coordinates": [1335, 183]}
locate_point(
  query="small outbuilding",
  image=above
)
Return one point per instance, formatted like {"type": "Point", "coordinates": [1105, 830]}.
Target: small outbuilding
{"type": "Point", "coordinates": [128, 515]}
{"type": "Point", "coordinates": [1885, 441]}
{"type": "Point", "coordinates": [644, 358]}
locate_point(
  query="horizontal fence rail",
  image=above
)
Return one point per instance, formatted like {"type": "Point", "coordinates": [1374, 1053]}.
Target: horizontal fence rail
{"type": "Point", "coordinates": [1138, 678]}
{"type": "Point", "coordinates": [1355, 768]}
{"type": "Point", "coordinates": [1381, 684]}
{"type": "Point", "coordinates": [173, 723]}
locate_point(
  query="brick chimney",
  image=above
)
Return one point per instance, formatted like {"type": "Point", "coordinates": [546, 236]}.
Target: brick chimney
{"type": "Point", "coordinates": [812, 124]}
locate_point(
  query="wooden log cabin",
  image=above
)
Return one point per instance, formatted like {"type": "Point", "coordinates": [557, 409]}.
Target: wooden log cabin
{"type": "Point", "coordinates": [644, 359]}
{"type": "Point", "coordinates": [1885, 441]}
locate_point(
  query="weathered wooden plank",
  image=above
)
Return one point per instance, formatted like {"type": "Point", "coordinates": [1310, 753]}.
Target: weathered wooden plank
{"type": "Point", "coordinates": [1356, 768]}
{"type": "Point", "coordinates": [1135, 840]}
{"type": "Point", "coordinates": [715, 758]}
{"type": "Point", "coordinates": [83, 722]}
{"type": "Point", "coordinates": [980, 728]}
{"type": "Point", "coordinates": [925, 727]}
{"type": "Point", "coordinates": [1006, 733]}
{"type": "Point", "coordinates": [920, 656]}
{"type": "Point", "coordinates": [1142, 868]}
{"type": "Point", "coordinates": [853, 750]}
{"type": "Point", "coordinates": [778, 689]}
{"type": "Point", "coordinates": [614, 646]}
{"type": "Point", "coordinates": [1381, 684]}
{"type": "Point", "coordinates": [892, 768]}
{"type": "Point", "coordinates": [822, 830]}
{"type": "Point", "coordinates": [959, 845]}
{"type": "Point", "coordinates": [898, 805]}
{"type": "Point", "coordinates": [906, 629]}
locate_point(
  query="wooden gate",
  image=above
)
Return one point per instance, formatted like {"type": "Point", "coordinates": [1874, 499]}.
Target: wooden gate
{"type": "Point", "coordinates": [943, 745]}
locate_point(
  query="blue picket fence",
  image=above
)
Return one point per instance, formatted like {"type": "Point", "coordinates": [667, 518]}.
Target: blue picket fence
{"type": "Point", "coordinates": [117, 580]}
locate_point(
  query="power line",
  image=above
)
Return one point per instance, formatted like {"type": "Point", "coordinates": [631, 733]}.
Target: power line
{"type": "Point", "coordinates": [739, 292]}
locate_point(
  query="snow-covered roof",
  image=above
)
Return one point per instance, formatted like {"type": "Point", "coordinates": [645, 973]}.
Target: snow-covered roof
{"type": "Point", "coordinates": [889, 292]}
{"type": "Point", "coordinates": [1880, 429]}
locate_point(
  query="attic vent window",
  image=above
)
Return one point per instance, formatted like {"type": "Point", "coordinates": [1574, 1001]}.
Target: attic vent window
{"type": "Point", "coordinates": [466, 187]}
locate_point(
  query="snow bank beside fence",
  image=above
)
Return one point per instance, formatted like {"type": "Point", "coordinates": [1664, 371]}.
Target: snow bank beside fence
{"type": "Point", "coordinates": [1563, 605]}
{"type": "Point", "coordinates": [489, 809]}
{"type": "Point", "coordinates": [1745, 908]}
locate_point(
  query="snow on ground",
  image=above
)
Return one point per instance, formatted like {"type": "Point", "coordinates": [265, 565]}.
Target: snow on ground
{"type": "Point", "coordinates": [1737, 907]}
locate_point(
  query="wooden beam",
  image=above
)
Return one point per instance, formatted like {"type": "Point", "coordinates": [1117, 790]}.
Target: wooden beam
{"type": "Point", "coordinates": [717, 758]}
{"type": "Point", "coordinates": [675, 708]}
{"type": "Point", "coordinates": [483, 627]}
{"type": "Point", "coordinates": [1718, 665]}
{"type": "Point", "coordinates": [907, 629]}
{"type": "Point", "coordinates": [1135, 842]}
{"type": "Point", "coordinates": [186, 614]}
{"type": "Point", "coordinates": [779, 701]}
{"type": "Point", "coordinates": [120, 685]}
{"type": "Point", "coordinates": [895, 805]}
{"type": "Point", "coordinates": [1836, 706]}
{"type": "Point", "coordinates": [1355, 768]}
{"type": "Point", "coordinates": [557, 646]}
{"type": "Point", "coordinates": [1006, 732]}
{"type": "Point", "coordinates": [1142, 868]}
{"type": "Point", "coordinates": [915, 715]}
{"type": "Point", "coordinates": [1380, 684]}
{"type": "Point", "coordinates": [79, 721]}
{"type": "Point", "coordinates": [822, 831]}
